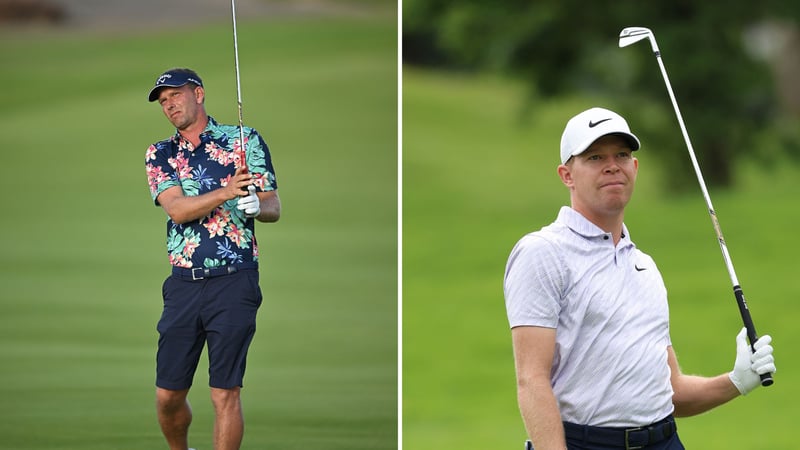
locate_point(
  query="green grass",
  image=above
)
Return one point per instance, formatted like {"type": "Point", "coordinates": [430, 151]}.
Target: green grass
{"type": "Point", "coordinates": [478, 174]}
{"type": "Point", "coordinates": [83, 245]}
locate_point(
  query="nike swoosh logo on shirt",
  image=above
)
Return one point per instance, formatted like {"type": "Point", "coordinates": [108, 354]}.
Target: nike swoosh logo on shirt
{"type": "Point", "coordinates": [639, 269]}
{"type": "Point", "coordinates": [594, 124]}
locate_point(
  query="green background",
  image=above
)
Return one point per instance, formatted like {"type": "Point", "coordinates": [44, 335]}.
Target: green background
{"type": "Point", "coordinates": [84, 247]}
{"type": "Point", "coordinates": [478, 174]}
{"type": "Point", "coordinates": [84, 256]}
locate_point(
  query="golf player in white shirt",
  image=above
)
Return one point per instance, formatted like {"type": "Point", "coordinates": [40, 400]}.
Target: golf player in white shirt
{"type": "Point", "coordinates": [589, 315]}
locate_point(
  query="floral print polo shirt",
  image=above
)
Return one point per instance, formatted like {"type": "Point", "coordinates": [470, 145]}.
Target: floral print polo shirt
{"type": "Point", "coordinates": [225, 236]}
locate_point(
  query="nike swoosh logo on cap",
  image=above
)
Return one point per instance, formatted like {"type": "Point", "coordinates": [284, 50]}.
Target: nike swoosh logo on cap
{"type": "Point", "coordinates": [594, 124]}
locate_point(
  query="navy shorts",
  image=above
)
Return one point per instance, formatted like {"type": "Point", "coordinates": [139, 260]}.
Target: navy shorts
{"type": "Point", "coordinates": [219, 311]}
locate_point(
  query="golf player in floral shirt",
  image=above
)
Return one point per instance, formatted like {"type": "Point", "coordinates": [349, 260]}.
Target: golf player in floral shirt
{"type": "Point", "coordinates": [212, 199]}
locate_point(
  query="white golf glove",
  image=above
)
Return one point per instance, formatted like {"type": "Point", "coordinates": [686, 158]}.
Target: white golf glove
{"type": "Point", "coordinates": [749, 365]}
{"type": "Point", "coordinates": [250, 203]}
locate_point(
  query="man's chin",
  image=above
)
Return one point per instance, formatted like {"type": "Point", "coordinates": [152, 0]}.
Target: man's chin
{"type": "Point", "coordinates": [616, 203]}
{"type": "Point", "coordinates": [179, 124]}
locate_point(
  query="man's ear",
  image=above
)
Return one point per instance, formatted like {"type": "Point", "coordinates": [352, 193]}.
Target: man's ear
{"type": "Point", "coordinates": [199, 94]}
{"type": "Point", "coordinates": [565, 174]}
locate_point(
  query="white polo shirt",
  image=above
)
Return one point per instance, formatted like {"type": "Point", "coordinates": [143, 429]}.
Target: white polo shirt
{"type": "Point", "coordinates": [608, 305]}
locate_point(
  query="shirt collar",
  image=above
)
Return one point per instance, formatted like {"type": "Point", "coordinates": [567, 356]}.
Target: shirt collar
{"type": "Point", "coordinates": [582, 226]}
{"type": "Point", "coordinates": [213, 130]}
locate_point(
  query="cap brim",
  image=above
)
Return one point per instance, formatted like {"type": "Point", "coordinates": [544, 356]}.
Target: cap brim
{"type": "Point", "coordinates": [154, 92]}
{"type": "Point", "coordinates": [632, 140]}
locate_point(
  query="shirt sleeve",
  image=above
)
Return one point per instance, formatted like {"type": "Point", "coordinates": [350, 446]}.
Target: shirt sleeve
{"type": "Point", "coordinates": [259, 161]}
{"type": "Point", "coordinates": [533, 283]}
{"type": "Point", "coordinates": [161, 174]}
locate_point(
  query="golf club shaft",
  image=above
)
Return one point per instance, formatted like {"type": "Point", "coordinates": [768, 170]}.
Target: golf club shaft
{"type": "Point", "coordinates": [766, 379]}
{"type": "Point", "coordinates": [242, 150]}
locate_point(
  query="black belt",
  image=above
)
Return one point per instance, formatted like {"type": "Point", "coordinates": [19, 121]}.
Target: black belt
{"type": "Point", "coordinates": [627, 438]}
{"type": "Point", "coordinates": [201, 273]}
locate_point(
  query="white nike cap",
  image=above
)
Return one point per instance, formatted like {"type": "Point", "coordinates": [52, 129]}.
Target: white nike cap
{"type": "Point", "coordinates": [585, 128]}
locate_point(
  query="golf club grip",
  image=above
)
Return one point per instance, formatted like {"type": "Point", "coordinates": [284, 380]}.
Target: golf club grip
{"type": "Point", "coordinates": [766, 378]}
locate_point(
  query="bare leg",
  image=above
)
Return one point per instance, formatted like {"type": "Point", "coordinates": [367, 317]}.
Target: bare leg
{"type": "Point", "coordinates": [229, 422]}
{"type": "Point", "coordinates": [174, 416]}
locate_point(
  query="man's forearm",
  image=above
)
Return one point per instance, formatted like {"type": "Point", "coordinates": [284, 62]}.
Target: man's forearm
{"type": "Point", "coordinates": [541, 416]}
{"type": "Point", "coordinates": [183, 209]}
{"type": "Point", "coordinates": [695, 395]}
{"type": "Point", "coordinates": [270, 207]}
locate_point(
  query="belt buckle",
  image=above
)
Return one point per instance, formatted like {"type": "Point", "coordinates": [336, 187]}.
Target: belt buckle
{"type": "Point", "coordinates": [202, 273]}
{"type": "Point", "coordinates": [627, 435]}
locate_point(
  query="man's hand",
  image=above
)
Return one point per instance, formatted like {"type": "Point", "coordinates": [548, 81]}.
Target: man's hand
{"type": "Point", "coordinates": [749, 365]}
{"type": "Point", "coordinates": [250, 204]}
{"type": "Point", "coordinates": [238, 184]}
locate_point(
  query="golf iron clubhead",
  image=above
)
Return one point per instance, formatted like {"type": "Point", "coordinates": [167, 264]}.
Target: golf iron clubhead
{"type": "Point", "coordinates": [632, 35]}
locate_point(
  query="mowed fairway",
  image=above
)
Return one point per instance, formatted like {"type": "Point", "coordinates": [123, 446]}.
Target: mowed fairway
{"type": "Point", "coordinates": [84, 247]}
{"type": "Point", "coordinates": [478, 175]}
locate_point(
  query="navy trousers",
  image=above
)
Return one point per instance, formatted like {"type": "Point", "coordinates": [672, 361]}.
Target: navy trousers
{"type": "Point", "coordinates": [673, 443]}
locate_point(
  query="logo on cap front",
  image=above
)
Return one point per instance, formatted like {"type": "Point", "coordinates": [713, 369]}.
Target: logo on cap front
{"type": "Point", "coordinates": [163, 78]}
{"type": "Point", "coordinates": [594, 124]}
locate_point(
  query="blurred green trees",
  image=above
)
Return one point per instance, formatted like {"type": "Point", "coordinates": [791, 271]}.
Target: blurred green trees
{"type": "Point", "coordinates": [722, 60]}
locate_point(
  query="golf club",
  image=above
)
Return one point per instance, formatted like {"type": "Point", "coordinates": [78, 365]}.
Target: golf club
{"type": "Point", "coordinates": [632, 35]}
{"type": "Point", "coordinates": [242, 150]}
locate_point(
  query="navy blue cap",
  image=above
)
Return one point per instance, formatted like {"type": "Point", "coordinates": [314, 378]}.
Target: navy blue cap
{"type": "Point", "coordinates": [174, 78]}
